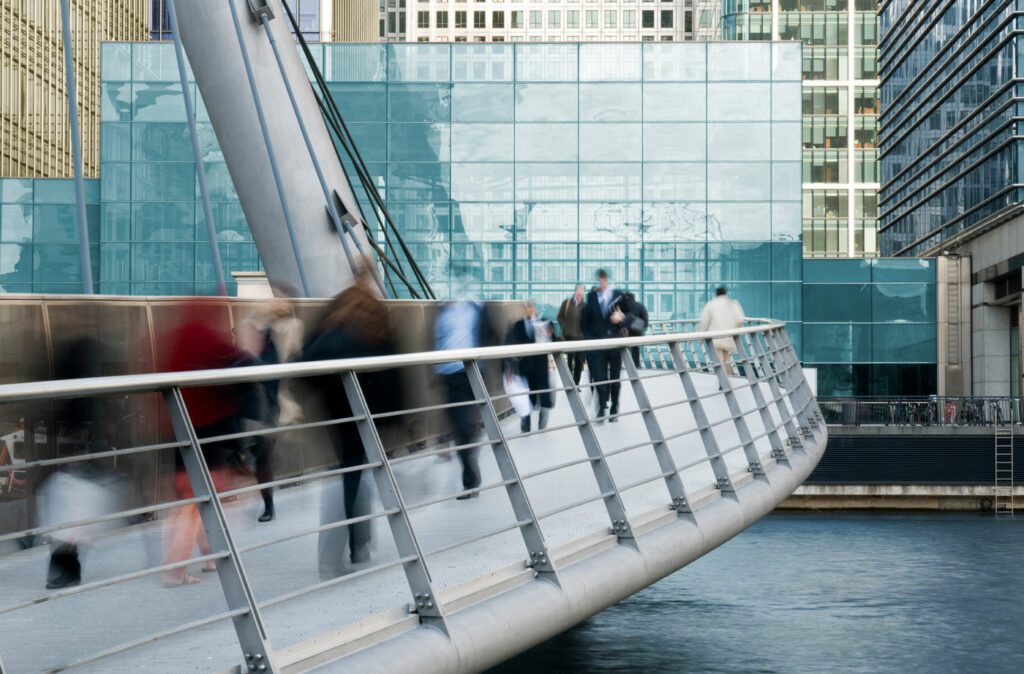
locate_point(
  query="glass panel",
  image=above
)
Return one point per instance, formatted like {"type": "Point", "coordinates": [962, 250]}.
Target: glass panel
{"type": "Point", "coordinates": [739, 262]}
{"type": "Point", "coordinates": [423, 221]}
{"type": "Point", "coordinates": [419, 63]}
{"type": "Point", "coordinates": [115, 222]}
{"type": "Point", "coordinates": [675, 62]}
{"type": "Point", "coordinates": [611, 142]}
{"type": "Point", "coordinates": [361, 102]}
{"type": "Point", "coordinates": [739, 142]}
{"type": "Point", "coordinates": [419, 103]}
{"type": "Point", "coordinates": [546, 62]}
{"type": "Point", "coordinates": [546, 182]}
{"type": "Point", "coordinates": [115, 61]}
{"type": "Point", "coordinates": [483, 102]}
{"type": "Point", "coordinates": [837, 303]}
{"type": "Point", "coordinates": [16, 191]}
{"type": "Point", "coordinates": [837, 271]}
{"type": "Point", "coordinates": [836, 343]}
{"type": "Point", "coordinates": [674, 102]}
{"type": "Point", "coordinates": [161, 142]}
{"type": "Point", "coordinates": [903, 343]}
{"type": "Point", "coordinates": [920, 271]}
{"type": "Point", "coordinates": [419, 142]}
{"type": "Point", "coordinates": [786, 62]}
{"type": "Point", "coordinates": [786, 221]}
{"type": "Point", "coordinates": [787, 102]}
{"type": "Point", "coordinates": [610, 102]}
{"type": "Point", "coordinates": [164, 262]}
{"type": "Point", "coordinates": [55, 223]}
{"type": "Point", "coordinates": [483, 222]}
{"type": "Point", "coordinates": [610, 62]}
{"type": "Point", "coordinates": [482, 182]}
{"type": "Point", "coordinates": [786, 261]}
{"type": "Point", "coordinates": [55, 191]}
{"type": "Point", "coordinates": [155, 181]}
{"type": "Point", "coordinates": [116, 181]}
{"type": "Point", "coordinates": [116, 102]}
{"type": "Point", "coordinates": [546, 142]}
{"type": "Point", "coordinates": [115, 141]}
{"type": "Point", "coordinates": [355, 62]}
{"type": "Point", "coordinates": [371, 140]}
{"type": "Point", "coordinates": [154, 63]}
{"type": "Point", "coordinates": [902, 302]}
{"type": "Point", "coordinates": [15, 264]}
{"type": "Point", "coordinates": [737, 61]}
{"type": "Point", "coordinates": [675, 182]}
{"type": "Point", "coordinates": [482, 142]}
{"type": "Point", "coordinates": [549, 222]}
{"type": "Point", "coordinates": [675, 142]}
{"type": "Point", "coordinates": [601, 182]}
{"type": "Point", "coordinates": [482, 63]}
{"type": "Point", "coordinates": [418, 182]}
{"type": "Point", "coordinates": [739, 221]}
{"type": "Point", "coordinates": [739, 182]}
{"type": "Point", "coordinates": [157, 102]}
{"type": "Point", "coordinates": [739, 102]}
{"type": "Point", "coordinates": [546, 102]}
{"type": "Point", "coordinates": [786, 141]}
{"type": "Point", "coordinates": [610, 222]}
{"type": "Point", "coordinates": [16, 223]}
{"type": "Point", "coordinates": [786, 181]}
{"type": "Point", "coordinates": [164, 222]}
{"type": "Point", "coordinates": [674, 221]}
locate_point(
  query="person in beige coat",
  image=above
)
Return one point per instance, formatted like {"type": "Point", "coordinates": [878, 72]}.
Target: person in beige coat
{"type": "Point", "coordinates": [722, 313]}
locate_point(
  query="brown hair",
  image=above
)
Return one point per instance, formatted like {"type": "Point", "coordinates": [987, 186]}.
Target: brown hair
{"type": "Point", "coordinates": [358, 309]}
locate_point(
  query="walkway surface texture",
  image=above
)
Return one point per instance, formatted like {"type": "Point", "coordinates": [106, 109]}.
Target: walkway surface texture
{"type": "Point", "coordinates": [51, 634]}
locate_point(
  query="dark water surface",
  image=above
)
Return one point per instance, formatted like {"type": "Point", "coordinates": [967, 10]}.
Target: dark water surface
{"type": "Point", "coordinates": [923, 593]}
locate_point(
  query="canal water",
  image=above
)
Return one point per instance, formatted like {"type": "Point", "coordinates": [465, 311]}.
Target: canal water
{"type": "Point", "coordinates": [819, 593]}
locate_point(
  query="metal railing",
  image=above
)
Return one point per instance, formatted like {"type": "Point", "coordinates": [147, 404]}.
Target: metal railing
{"type": "Point", "coordinates": [769, 411]}
{"type": "Point", "coordinates": [930, 411]}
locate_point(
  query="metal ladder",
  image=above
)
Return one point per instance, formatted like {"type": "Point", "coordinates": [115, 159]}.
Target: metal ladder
{"type": "Point", "coordinates": [1002, 501]}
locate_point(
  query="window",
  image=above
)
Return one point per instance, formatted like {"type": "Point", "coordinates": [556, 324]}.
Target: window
{"type": "Point", "coordinates": [423, 39]}
{"type": "Point", "coordinates": [647, 16]}
{"type": "Point", "coordinates": [497, 19]}
{"type": "Point", "coordinates": [591, 18]}
{"type": "Point", "coordinates": [610, 18]}
{"type": "Point", "coordinates": [479, 19]}
{"type": "Point", "coordinates": [517, 19]}
{"type": "Point", "coordinates": [442, 19]}
{"type": "Point", "coordinates": [629, 18]}
{"type": "Point", "coordinates": [572, 18]}
{"type": "Point", "coordinates": [666, 18]}
{"type": "Point", "coordinates": [460, 21]}
{"type": "Point", "coordinates": [554, 19]}
{"type": "Point", "coordinates": [535, 18]}
{"type": "Point", "coordinates": [460, 38]}
{"type": "Point", "coordinates": [423, 19]}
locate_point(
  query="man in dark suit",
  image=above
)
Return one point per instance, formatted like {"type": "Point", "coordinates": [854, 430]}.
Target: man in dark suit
{"type": "Point", "coordinates": [601, 320]}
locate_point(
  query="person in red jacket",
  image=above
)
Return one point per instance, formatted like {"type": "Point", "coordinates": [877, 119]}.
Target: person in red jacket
{"type": "Point", "coordinates": [214, 410]}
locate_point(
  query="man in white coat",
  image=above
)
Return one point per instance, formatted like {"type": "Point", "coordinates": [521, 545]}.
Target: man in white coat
{"type": "Point", "coordinates": [722, 313]}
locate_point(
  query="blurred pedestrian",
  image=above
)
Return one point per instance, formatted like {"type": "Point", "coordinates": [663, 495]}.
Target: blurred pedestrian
{"type": "Point", "coordinates": [274, 335]}
{"type": "Point", "coordinates": [355, 325]}
{"type": "Point", "coordinates": [634, 322]}
{"type": "Point", "coordinates": [214, 411]}
{"type": "Point", "coordinates": [462, 324]}
{"type": "Point", "coordinates": [569, 316]}
{"type": "Point", "coordinates": [600, 319]}
{"type": "Point", "coordinates": [532, 329]}
{"type": "Point", "coordinates": [722, 313]}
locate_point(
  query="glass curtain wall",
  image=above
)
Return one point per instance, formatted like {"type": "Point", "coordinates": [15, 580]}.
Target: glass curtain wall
{"type": "Point", "coordinates": [840, 109]}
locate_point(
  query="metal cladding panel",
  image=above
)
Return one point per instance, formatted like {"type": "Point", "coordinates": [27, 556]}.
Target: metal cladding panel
{"type": "Point", "coordinates": [909, 459]}
{"type": "Point", "coordinates": [208, 35]}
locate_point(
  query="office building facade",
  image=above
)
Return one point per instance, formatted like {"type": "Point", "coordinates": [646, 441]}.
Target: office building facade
{"type": "Point", "coordinates": [319, 20]}
{"type": "Point", "coordinates": [840, 109]}
{"type": "Point", "coordinates": [539, 21]}
{"type": "Point", "coordinates": [34, 129]}
{"type": "Point", "coordinates": [951, 177]}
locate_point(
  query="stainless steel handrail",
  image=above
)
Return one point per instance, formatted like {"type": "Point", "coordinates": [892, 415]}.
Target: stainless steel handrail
{"type": "Point", "coordinates": [763, 353]}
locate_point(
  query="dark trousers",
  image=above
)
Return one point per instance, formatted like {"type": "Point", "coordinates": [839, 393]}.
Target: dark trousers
{"type": "Point", "coordinates": [464, 421]}
{"type": "Point", "coordinates": [262, 454]}
{"type": "Point", "coordinates": [575, 360]}
{"type": "Point", "coordinates": [332, 543]}
{"type": "Point", "coordinates": [606, 365]}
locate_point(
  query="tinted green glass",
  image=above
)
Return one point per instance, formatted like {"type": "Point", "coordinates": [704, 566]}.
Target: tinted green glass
{"type": "Point", "coordinates": [848, 303]}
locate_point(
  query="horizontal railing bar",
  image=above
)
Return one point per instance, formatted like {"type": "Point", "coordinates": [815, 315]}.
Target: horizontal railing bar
{"type": "Point", "coordinates": [629, 448]}
{"type": "Point", "coordinates": [478, 538]}
{"type": "Point", "coordinates": [99, 584]}
{"type": "Point", "coordinates": [553, 469]}
{"type": "Point", "coordinates": [427, 408]}
{"type": "Point", "coordinates": [79, 458]}
{"type": "Point", "coordinates": [89, 386]}
{"type": "Point", "coordinates": [696, 462]}
{"type": "Point", "coordinates": [503, 396]}
{"type": "Point", "coordinates": [661, 406]}
{"type": "Point", "coordinates": [576, 504]}
{"type": "Point", "coordinates": [156, 636]}
{"type": "Point", "coordinates": [673, 436]}
{"type": "Point", "coordinates": [317, 529]}
{"type": "Point", "coordinates": [38, 531]}
{"type": "Point", "coordinates": [542, 431]}
{"type": "Point", "coordinates": [449, 497]}
{"type": "Point", "coordinates": [646, 480]}
{"type": "Point", "coordinates": [281, 598]}
{"type": "Point", "coordinates": [426, 454]}
{"type": "Point", "coordinates": [269, 430]}
{"type": "Point", "coordinates": [307, 477]}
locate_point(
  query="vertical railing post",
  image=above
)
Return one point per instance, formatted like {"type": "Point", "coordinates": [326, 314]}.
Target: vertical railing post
{"type": "Point", "coordinates": [794, 381]}
{"type": "Point", "coordinates": [426, 603]}
{"type": "Point", "coordinates": [667, 464]}
{"type": "Point", "coordinates": [700, 417]}
{"type": "Point", "coordinates": [252, 635]}
{"type": "Point", "coordinates": [778, 452]}
{"type": "Point", "coordinates": [754, 466]}
{"type": "Point", "coordinates": [620, 525]}
{"type": "Point", "coordinates": [787, 416]}
{"type": "Point", "coordinates": [533, 536]}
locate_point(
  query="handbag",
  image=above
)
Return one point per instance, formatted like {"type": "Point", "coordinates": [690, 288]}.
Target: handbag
{"type": "Point", "coordinates": [636, 326]}
{"type": "Point", "coordinates": [518, 392]}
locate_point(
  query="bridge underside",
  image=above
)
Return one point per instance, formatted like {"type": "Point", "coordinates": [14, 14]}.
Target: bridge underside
{"type": "Point", "coordinates": [495, 606]}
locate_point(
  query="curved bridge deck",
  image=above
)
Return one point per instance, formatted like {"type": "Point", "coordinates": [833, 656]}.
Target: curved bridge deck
{"type": "Point", "coordinates": [615, 506]}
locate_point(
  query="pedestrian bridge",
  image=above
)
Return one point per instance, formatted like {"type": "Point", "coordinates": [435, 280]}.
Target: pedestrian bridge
{"type": "Point", "coordinates": [568, 520]}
